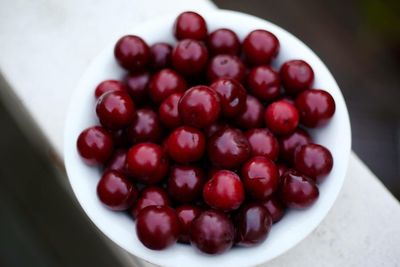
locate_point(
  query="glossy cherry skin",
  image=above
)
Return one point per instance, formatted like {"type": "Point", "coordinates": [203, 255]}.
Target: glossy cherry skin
{"type": "Point", "coordinates": [115, 110]}
{"type": "Point", "coordinates": [199, 106]}
{"type": "Point", "coordinates": [281, 117]}
{"type": "Point", "coordinates": [289, 143]}
{"type": "Point", "coordinates": [150, 196]}
{"type": "Point", "coordinates": [263, 143]}
{"type": "Point", "coordinates": [157, 227]}
{"type": "Point", "coordinates": [260, 177]}
{"type": "Point", "coordinates": [145, 128]}
{"type": "Point", "coordinates": [275, 208]}
{"type": "Point", "coordinates": [228, 148]}
{"type": "Point", "coordinates": [252, 116]}
{"type": "Point", "coordinates": [190, 25]}
{"type": "Point", "coordinates": [164, 83]}
{"type": "Point", "coordinates": [232, 96]}
{"type": "Point", "coordinates": [189, 57]}
{"type": "Point", "coordinates": [212, 232]}
{"type": "Point", "coordinates": [132, 53]}
{"type": "Point", "coordinates": [296, 76]}
{"type": "Point", "coordinates": [186, 144]}
{"type": "Point", "coordinates": [186, 214]}
{"type": "Point", "coordinates": [168, 111]}
{"type": "Point", "coordinates": [252, 224]}
{"type": "Point", "coordinates": [215, 127]}
{"type": "Point", "coordinates": [185, 183]}
{"type": "Point", "coordinates": [147, 163]}
{"type": "Point", "coordinates": [315, 106]}
{"type": "Point", "coordinates": [160, 56]}
{"type": "Point", "coordinates": [260, 47]}
{"type": "Point", "coordinates": [225, 66]}
{"type": "Point", "coordinates": [116, 191]}
{"type": "Point", "coordinates": [224, 191]}
{"type": "Point", "coordinates": [297, 190]}
{"type": "Point", "coordinates": [264, 83]}
{"type": "Point", "coordinates": [223, 41]}
{"type": "Point", "coordinates": [313, 160]}
{"type": "Point", "coordinates": [137, 86]}
{"type": "Point", "coordinates": [95, 145]}
{"type": "Point", "coordinates": [117, 162]}
{"type": "Point", "coordinates": [109, 86]}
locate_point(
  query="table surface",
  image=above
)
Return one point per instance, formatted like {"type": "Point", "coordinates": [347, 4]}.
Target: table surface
{"type": "Point", "coordinates": [46, 47]}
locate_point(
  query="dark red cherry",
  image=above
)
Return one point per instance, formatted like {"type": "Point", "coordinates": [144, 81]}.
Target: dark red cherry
{"type": "Point", "coordinates": [212, 232]}
{"type": "Point", "coordinates": [117, 162]}
{"type": "Point", "coordinates": [160, 56]}
{"type": "Point", "coordinates": [260, 177]}
{"type": "Point", "coordinates": [253, 224]}
{"type": "Point", "coordinates": [150, 196]}
{"type": "Point", "coordinates": [296, 76]}
{"type": "Point", "coordinates": [260, 47]}
{"type": "Point", "coordinates": [263, 143]}
{"type": "Point", "coordinates": [199, 106]}
{"type": "Point", "coordinates": [164, 83]}
{"type": "Point", "coordinates": [157, 227]}
{"type": "Point", "coordinates": [186, 214]}
{"type": "Point", "coordinates": [116, 191]}
{"type": "Point", "coordinates": [315, 106]}
{"type": "Point", "coordinates": [225, 66]}
{"type": "Point", "coordinates": [232, 96]}
{"type": "Point", "coordinates": [132, 53]}
{"type": "Point", "coordinates": [223, 41]}
{"type": "Point", "coordinates": [313, 160]}
{"type": "Point", "coordinates": [189, 57]}
{"type": "Point", "coordinates": [185, 183]}
{"type": "Point", "coordinates": [252, 116]}
{"type": "Point", "coordinates": [168, 111]}
{"type": "Point", "coordinates": [264, 83]}
{"type": "Point", "coordinates": [228, 148]}
{"type": "Point", "coordinates": [120, 137]}
{"type": "Point", "coordinates": [297, 190]}
{"type": "Point", "coordinates": [109, 86]}
{"type": "Point", "coordinates": [281, 117]}
{"type": "Point", "coordinates": [215, 127]}
{"type": "Point", "coordinates": [289, 143]}
{"type": "Point", "coordinates": [137, 86]}
{"type": "Point", "coordinates": [95, 145]}
{"type": "Point", "coordinates": [190, 25]}
{"type": "Point", "coordinates": [275, 208]}
{"type": "Point", "coordinates": [115, 110]}
{"type": "Point", "coordinates": [145, 128]}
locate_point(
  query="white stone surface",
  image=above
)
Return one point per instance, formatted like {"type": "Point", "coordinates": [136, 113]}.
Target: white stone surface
{"type": "Point", "coordinates": [46, 44]}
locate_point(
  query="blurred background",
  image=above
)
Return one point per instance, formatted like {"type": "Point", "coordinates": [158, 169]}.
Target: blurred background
{"type": "Point", "coordinates": [358, 40]}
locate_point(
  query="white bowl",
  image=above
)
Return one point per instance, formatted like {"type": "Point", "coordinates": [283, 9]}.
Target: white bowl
{"type": "Point", "coordinates": [120, 228]}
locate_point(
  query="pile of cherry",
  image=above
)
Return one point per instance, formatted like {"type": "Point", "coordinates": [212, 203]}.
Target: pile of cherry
{"type": "Point", "coordinates": [201, 141]}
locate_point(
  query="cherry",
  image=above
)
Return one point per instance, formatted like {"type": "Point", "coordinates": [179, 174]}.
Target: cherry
{"type": "Point", "coordinates": [186, 214]}
{"type": "Point", "coordinates": [281, 117]}
{"type": "Point", "coordinates": [157, 227]}
{"type": "Point", "coordinates": [223, 41]}
{"type": "Point", "coordinates": [199, 106]}
{"type": "Point", "coordinates": [95, 145]}
{"type": "Point", "coordinates": [145, 128]}
{"type": "Point", "coordinates": [289, 143]}
{"type": "Point", "coordinates": [185, 183]}
{"type": "Point", "coordinates": [215, 127]}
{"type": "Point", "coordinates": [224, 191]}
{"type": "Point", "coordinates": [190, 25]}
{"type": "Point", "coordinates": [313, 160]}
{"type": "Point", "coordinates": [150, 196]}
{"type": "Point", "coordinates": [160, 56]}
{"type": "Point", "coordinates": [147, 163]}
{"type": "Point", "coordinates": [137, 86]}
{"type": "Point", "coordinates": [116, 191]}
{"type": "Point", "coordinates": [228, 148]}
{"type": "Point", "coordinates": [109, 86]}
{"type": "Point", "coordinates": [253, 224]}
{"type": "Point", "coordinates": [132, 53]}
{"type": "Point", "coordinates": [115, 110]}
{"type": "Point", "coordinates": [186, 144]}
{"type": "Point", "coordinates": [263, 143]}
{"type": "Point", "coordinates": [264, 83]}
{"type": "Point", "coordinates": [117, 162]}
{"type": "Point", "coordinates": [296, 76]}
{"type": "Point", "coordinates": [260, 47]}
{"type": "Point", "coordinates": [260, 177]}
{"type": "Point", "coordinates": [298, 191]}
{"type": "Point", "coordinates": [225, 66]}
{"type": "Point", "coordinates": [189, 57]}
{"type": "Point", "coordinates": [275, 208]}
{"type": "Point", "coordinates": [168, 111]}
{"type": "Point", "coordinates": [252, 116]}
{"type": "Point", "coordinates": [164, 83]}
{"type": "Point", "coordinates": [212, 232]}
{"type": "Point", "coordinates": [315, 106]}
{"type": "Point", "coordinates": [232, 96]}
